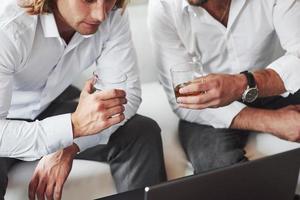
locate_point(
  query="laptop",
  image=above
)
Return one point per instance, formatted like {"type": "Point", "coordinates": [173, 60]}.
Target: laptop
{"type": "Point", "coordinates": [270, 178]}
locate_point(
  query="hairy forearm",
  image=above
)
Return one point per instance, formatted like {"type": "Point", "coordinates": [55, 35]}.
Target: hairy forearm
{"type": "Point", "coordinates": [71, 150]}
{"type": "Point", "coordinates": [254, 119]}
{"type": "Point", "coordinates": [269, 83]}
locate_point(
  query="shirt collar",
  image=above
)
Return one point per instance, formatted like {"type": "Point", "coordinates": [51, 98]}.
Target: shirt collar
{"type": "Point", "coordinates": [49, 25]}
{"type": "Point", "coordinates": [185, 5]}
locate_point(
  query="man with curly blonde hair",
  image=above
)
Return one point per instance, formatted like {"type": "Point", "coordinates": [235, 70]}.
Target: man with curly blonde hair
{"type": "Point", "coordinates": [45, 44]}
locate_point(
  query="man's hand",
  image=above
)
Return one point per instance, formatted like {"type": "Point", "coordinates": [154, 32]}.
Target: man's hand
{"type": "Point", "coordinates": [51, 174]}
{"type": "Point", "coordinates": [214, 90]}
{"type": "Point", "coordinates": [283, 123]}
{"type": "Point", "coordinates": [286, 123]}
{"type": "Point", "coordinates": [97, 110]}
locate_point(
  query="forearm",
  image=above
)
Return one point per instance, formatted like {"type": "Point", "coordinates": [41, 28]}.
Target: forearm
{"type": "Point", "coordinates": [71, 150]}
{"type": "Point", "coordinates": [31, 141]}
{"type": "Point", "coordinates": [269, 83]}
{"type": "Point", "coordinates": [254, 119]}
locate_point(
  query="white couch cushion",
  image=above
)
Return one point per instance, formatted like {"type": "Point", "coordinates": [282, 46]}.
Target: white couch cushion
{"type": "Point", "coordinates": [87, 180]}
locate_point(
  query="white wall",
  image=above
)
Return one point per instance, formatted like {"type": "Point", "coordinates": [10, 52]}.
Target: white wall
{"type": "Point", "coordinates": [141, 39]}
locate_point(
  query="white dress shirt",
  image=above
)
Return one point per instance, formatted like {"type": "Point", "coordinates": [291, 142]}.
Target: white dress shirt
{"type": "Point", "coordinates": [36, 66]}
{"type": "Point", "coordinates": [260, 34]}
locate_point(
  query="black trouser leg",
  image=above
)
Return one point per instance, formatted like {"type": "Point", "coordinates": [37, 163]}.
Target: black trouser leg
{"type": "Point", "coordinates": [5, 165]}
{"type": "Point", "coordinates": [134, 153]}
{"type": "Point", "coordinates": [208, 148]}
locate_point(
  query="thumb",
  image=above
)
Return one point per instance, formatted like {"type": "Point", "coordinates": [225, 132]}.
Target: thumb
{"type": "Point", "coordinates": [89, 86]}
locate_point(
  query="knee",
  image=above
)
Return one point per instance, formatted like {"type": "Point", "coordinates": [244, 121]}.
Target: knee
{"type": "Point", "coordinates": [229, 148]}
{"type": "Point", "coordinates": [149, 131]}
{"type": "Point", "coordinates": [149, 125]}
{"type": "Point", "coordinates": [211, 161]}
{"type": "Point", "coordinates": [229, 157]}
{"type": "Point", "coordinates": [223, 150]}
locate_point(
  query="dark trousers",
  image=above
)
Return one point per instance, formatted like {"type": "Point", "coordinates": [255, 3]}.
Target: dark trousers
{"type": "Point", "coordinates": [209, 148]}
{"type": "Point", "coordinates": [134, 152]}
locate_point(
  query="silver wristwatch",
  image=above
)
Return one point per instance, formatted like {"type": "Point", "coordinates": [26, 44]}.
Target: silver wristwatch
{"type": "Point", "coordinates": [251, 93]}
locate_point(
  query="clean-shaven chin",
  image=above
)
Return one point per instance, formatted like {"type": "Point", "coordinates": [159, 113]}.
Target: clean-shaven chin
{"type": "Point", "coordinates": [89, 28]}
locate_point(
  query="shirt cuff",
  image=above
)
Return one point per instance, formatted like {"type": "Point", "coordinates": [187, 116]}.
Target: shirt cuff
{"type": "Point", "coordinates": [217, 117]}
{"type": "Point", "coordinates": [59, 133]}
{"type": "Point", "coordinates": [86, 142]}
{"type": "Point", "coordinates": [222, 117]}
{"type": "Point", "coordinates": [288, 68]}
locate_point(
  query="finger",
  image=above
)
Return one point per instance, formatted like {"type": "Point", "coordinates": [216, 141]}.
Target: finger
{"type": "Point", "coordinates": [114, 111]}
{"type": "Point", "coordinates": [41, 188]}
{"type": "Point", "coordinates": [58, 190]}
{"type": "Point", "coordinates": [110, 94]}
{"type": "Point", "coordinates": [195, 88]}
{"type": "Point", "coordinates": [114, 102]}
{"type": "Point", "coordinates": [32, 187]}
{"type": "Point", "coordinates": [197, 106]}
{"type": "Point", "coordinates": [203, 98]}
{"type": "Point", "coordinates": [50, 191]}
{"type": "Point", "coordinates": [88, 87]}
{"type": "Point", "coordinates": [114, 120]}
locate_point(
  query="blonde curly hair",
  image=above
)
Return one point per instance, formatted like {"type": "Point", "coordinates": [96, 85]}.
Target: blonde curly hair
{"type": "Point", "coordinates": [37, 7]}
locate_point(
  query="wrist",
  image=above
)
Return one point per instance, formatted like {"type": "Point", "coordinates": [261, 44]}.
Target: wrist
{"type": "Point", "coordinates": [241, 85]}
{"type": "Point", "coordinates": [72, 150]}
{"type": "Point", "coordinates": [75, 126]}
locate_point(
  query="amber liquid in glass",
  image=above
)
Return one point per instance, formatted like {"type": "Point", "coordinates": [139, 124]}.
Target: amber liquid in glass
{"type": "Point", "coordinates": [177, 88]}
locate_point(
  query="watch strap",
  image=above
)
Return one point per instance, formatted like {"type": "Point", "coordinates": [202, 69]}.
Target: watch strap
{"type": "Point", "coordinates": [250, 79]}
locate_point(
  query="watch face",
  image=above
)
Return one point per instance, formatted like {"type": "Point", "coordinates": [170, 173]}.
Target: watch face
{"type": "Point", "coordinates": [251, 95]}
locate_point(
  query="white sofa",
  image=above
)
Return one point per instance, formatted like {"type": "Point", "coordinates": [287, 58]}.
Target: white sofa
{"type": "Point", "coordinates": [90, 180]}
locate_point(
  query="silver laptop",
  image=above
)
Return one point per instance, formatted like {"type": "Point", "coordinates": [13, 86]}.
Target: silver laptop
{"type": "Point", "coordinates": [270, 178]}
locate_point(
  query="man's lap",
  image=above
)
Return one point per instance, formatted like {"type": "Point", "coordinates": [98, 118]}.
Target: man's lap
{"type": "Point", "coordinates": [199, 139]}
{"type": "Point", "coordinates": [208, 148]}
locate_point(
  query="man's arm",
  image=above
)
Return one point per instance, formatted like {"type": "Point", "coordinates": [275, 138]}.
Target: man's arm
{"type": "Point", "coordinates": [281, 77]}
{"type": "Point", "coordinates": [283, 123]}
{"type": "Point", "coordinates": [217, 90]}
{"type": "Point", "coordinates": [169, 51]}
{"type": "Point", "coordinates": [20, 139]}
{"type": "Point", "coordinates": [118, 56]}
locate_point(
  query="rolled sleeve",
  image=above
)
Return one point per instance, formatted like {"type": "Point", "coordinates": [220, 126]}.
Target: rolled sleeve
{"type": "Point", "coordinates": [287, 26]}
{"type": "Point", "coordinates": [288, 67]}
